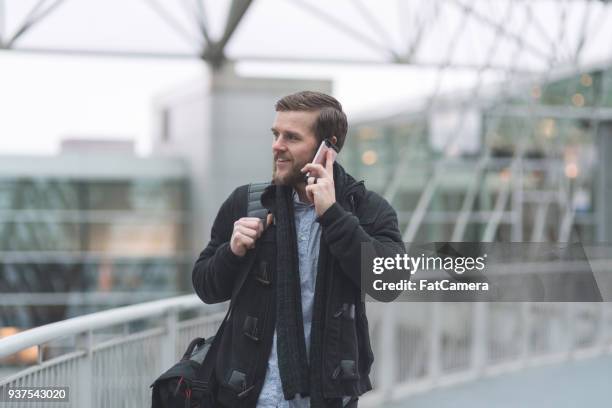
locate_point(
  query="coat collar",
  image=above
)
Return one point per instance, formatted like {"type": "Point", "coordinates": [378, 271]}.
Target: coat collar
{"type": "Point", "coordinates": [349, 192]}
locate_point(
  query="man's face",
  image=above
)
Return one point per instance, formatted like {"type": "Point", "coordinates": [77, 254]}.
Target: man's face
{"type": "Point", "coordinates": [294, 145]}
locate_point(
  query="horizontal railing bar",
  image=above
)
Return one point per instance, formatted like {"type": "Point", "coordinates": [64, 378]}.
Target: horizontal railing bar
{"type": "Point", "coordinates": [80, 298]}
{"type": "Point", "coordinates": [201, 320]}
{"type": "Point", "coordinates": [49, 363]}
{"type": "Point", "coordinates": [43, 334]}
{"type": "Point", "coordinates": [158, 331]}
{"type": "Point", "coordinates": [88, 257]}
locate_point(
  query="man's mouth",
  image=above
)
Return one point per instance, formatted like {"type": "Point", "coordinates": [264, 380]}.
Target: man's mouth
{"type": "Point", "coordinates": [279, 160]}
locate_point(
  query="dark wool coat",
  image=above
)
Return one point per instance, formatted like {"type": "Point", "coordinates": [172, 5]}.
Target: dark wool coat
{"type": "Point", "coordinates": [341, 355]}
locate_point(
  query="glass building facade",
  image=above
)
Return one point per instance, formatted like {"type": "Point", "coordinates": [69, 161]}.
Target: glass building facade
{"type": "Point", "coordinates": [531, 158]}
{"type": "Point", "coordinates": [73, 243]}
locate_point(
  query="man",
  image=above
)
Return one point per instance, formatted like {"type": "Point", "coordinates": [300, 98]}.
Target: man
{"type": "Point", "coordinates": [298, 332]}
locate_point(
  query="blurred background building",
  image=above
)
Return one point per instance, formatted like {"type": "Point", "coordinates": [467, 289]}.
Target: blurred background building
{"type": "Point", "coordinates": [527, 167]}
{"type": "Point", "coordinates": [94, 227]}
{"type": "Point", "coordinates": [478, 121]}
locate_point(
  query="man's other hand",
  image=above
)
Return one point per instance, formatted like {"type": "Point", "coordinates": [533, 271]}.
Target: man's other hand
{"type": "Point", "coordinates": [246, 231]}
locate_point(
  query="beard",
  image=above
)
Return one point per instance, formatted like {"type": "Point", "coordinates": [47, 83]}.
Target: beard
{"type": "Point", "coordinates": [293, 176]}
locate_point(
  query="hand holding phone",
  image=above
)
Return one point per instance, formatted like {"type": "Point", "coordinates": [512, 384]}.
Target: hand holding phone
{"type": "Point", "coordinates": [320, 188]}
{"type": "Point", "coordinates": [319, 157]}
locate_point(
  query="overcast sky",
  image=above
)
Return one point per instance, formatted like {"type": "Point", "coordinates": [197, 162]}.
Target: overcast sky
{"type": "Point", "coordinates": [44, 98]}
{"type": "Point", "coordinates": [47, 98]}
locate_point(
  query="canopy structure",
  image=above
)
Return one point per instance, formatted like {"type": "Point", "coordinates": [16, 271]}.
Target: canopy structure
{"type": "Point", "coordinates": [476, 35]}
{"type": "Point", "coordinates": [549, 62]}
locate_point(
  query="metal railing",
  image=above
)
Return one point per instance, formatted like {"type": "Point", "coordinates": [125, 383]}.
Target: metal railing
{"type": "Point", "coordinates": [420, 346]}
{"type": "Point", "coordinates": [116, 354]}
{"type": "Point", "coordinates": [113, 356]}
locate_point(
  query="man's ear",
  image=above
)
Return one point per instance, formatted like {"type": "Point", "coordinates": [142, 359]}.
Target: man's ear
{"type": "Point", "coordinates": [334, 140]}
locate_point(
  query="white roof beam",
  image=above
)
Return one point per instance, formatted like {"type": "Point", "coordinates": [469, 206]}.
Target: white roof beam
{"type": "Point", "coordinates": [215, 52]}
{"type": "Point", "coordinates": [33, 17]}
{"type": "Point", "coordinates": [348, 30]}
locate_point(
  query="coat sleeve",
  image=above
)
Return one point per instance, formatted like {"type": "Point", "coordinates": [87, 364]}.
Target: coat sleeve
{"type": "Point", "coordinates": [217, 267]}
{"type": "Point", "coordinates": [344, 236]}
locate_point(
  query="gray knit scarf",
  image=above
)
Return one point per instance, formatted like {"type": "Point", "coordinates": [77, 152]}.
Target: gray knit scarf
{"type": "Point", "coordinates": [291, 345]}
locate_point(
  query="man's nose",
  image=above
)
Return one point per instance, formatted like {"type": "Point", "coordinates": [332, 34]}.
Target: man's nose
{"type": "Point", "coordinates": [278, 145]}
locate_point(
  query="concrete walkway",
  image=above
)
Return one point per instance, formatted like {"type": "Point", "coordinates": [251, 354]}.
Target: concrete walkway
{"type": "Point", "coordinates": [577, 384]}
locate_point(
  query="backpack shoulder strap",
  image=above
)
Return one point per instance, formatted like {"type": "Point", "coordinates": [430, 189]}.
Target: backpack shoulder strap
{"type": "Point", "coordinates": [254, 207]}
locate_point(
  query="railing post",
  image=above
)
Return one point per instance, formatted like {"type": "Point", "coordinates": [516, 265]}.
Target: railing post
{"type": "Point", "coordinates": [168, 343]}
{"type": "Point", "coordinates": [525, 332]}
{"type": "Point", "coordinates": [84, 379]}
{"type": "Point", "coordinates": [604, 331]}
{"type": "Point", "coordinates": [479, 337]}
{"type": "Point", "coordinates": [435, 337]}
{"type": "Point", "coordinates": [388, 366]}
{"type": "Point", "coordinates": [569, 311]}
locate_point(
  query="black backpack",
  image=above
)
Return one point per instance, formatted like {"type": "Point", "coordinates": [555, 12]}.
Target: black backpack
{"type": "Point", "coordinates": [190, 382]}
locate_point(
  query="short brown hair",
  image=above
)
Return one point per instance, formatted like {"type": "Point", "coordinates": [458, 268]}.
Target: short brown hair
{"type": "Point", "coordinates": [331, 120]}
